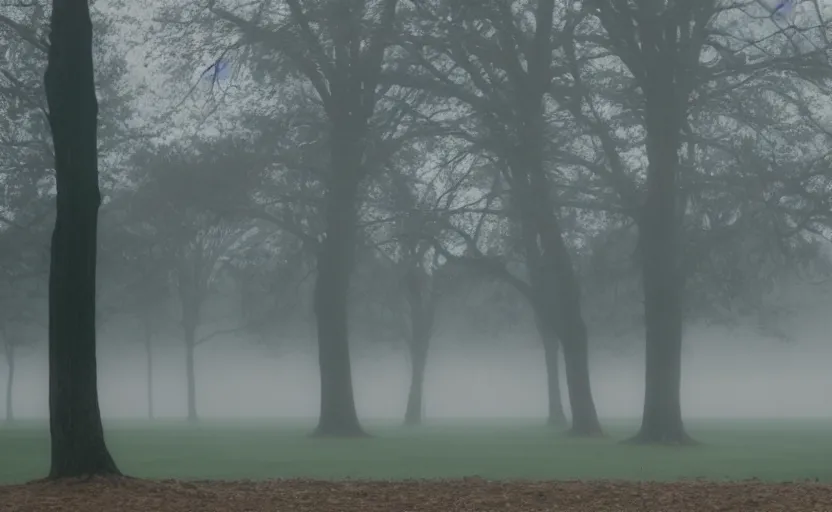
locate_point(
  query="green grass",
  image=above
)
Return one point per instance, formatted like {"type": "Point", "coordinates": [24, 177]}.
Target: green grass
{"type": "Point", "coordinates": [775, 450]}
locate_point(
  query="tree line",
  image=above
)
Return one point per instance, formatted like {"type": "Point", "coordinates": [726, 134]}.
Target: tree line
{"type": "Point", "coordinates": [583, 156]}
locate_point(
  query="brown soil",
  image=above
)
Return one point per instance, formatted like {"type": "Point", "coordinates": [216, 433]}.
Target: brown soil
{"type": "Point", "coordinates": [470, 495]}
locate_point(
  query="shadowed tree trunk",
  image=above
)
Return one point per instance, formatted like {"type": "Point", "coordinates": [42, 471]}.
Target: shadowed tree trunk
{"type": "Point", "coordinates": [551, 345]}
{"type": "Point", "coordinates": [77, 435]}
{"type": "Point", "coordinates": [10, 362]}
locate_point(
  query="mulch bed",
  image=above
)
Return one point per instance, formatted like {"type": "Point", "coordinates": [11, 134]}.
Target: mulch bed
{"type": "Point", "coordinates": [469, 495]}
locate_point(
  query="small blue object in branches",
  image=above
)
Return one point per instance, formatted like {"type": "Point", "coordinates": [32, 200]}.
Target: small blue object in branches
{"type": "Point", "coordinates": [218, 71]}
{"type": "Point", "coordinates": [222, 69]}
{"type": "Point", "coordinates": [783, 9]}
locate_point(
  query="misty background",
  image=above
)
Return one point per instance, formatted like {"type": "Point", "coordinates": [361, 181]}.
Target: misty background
{"type": "Point", "coordinates": [728, 373]}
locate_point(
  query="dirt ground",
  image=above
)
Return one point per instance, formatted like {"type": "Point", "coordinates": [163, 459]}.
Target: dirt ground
{"type": "Point", "coordinates": [470, 495]}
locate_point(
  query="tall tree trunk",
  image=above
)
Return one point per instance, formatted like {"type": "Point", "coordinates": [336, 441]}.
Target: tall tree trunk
{"type": "Point", "coordinates": [551, 345]}
{"type": "Point", "coordinates": [190, 371]}
{"type": "Point", "coordinates": [338, 417]}
{"type": "Point", "coordinates": [148, 352]}
{"type": "Point", "coordinates": [10, 361]}
{"type": "Point", "coordinates": [77, 435]}
{"type": "Point", "coordinates": [662, 279]}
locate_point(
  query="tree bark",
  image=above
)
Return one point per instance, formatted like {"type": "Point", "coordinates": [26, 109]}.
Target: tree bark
{"type": "Point", "coordinates": [551, 345]}
{"type": "Point", "coordinates": [10, 361]}
{"type": "Point", "coordinates": [338, 417]}
{"type": "Point", "coordinates": [77, 435]}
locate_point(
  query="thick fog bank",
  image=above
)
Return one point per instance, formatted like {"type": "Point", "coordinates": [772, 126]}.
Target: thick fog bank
{"type": "Point", "coordinates": [725, 375]}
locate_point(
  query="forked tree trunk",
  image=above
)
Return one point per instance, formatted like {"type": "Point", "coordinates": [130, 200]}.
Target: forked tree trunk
{"type": "Point", "coordinates": [551, 346]}
{"type": "Point", "coordinates": [77, 435]}
{"type": "Point", "coordinates": [572, 332]}
{"type": "Point", "coordinates": [552, 276]}
{"type": "Point", "coordinates": [564, 299]}
{"type": "Point", "coordinates": [338, 417]}
{"type": "Point", "coordinates": [10, 361]}
{"type": "Point", "coordinates": [576, 358]}
{"type": "Point", "coordinates": [556, 300]}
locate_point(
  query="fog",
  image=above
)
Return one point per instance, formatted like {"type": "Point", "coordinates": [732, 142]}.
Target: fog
{"type": "Point", "coordinates": [727, 373]}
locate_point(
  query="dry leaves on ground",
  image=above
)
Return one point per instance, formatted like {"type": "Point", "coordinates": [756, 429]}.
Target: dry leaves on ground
{"type": "Point", "coordinates": [469, 495]}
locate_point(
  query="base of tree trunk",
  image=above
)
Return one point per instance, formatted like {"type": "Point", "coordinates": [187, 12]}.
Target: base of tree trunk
{"type": "Point", "coordinates": [558, 421]}
{"type": "Point", "coordinates": [340, 431]}
{"type": "Point", "coordinates": [113, 479]}
{"type": "Point", "coordinates": [103, 470]}
{"type": "Point", "coordinates": [412, 422]}
{"type": "Point", "coordinates": [667, 439]}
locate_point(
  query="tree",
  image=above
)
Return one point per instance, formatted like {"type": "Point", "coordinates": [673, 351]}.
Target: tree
{"type": "Point", "coordinates": [171, 212]}
{"type": "Point", "coordinates": [506, 87]}
{"type": "Point", "coordinates": [134, 277]}
{"type": "Point", "coordinates": [661, 45]}
{"type": "Point", "coordinates": [24, 264]}
{"type": "Point", "coordinates": [272, 272]}
{"type": "Point", "coordinates": [22, 300]}
{"type": "Point", "coordinates": [485, 259]}
{"type": "Point", "coordinates": [78, 446]}
{"type": "Point", "coordinates": [341, 56]}
{"type": "Point", "coordinates": [150, 292]}
{"type": "Point", "coordinates": [404, 289]}
{"type": "Point", "coordinates": [421, 294]}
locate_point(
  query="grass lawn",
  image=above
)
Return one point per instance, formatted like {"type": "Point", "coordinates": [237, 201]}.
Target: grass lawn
{"type": "Point", "coordinates": [775, 450]}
